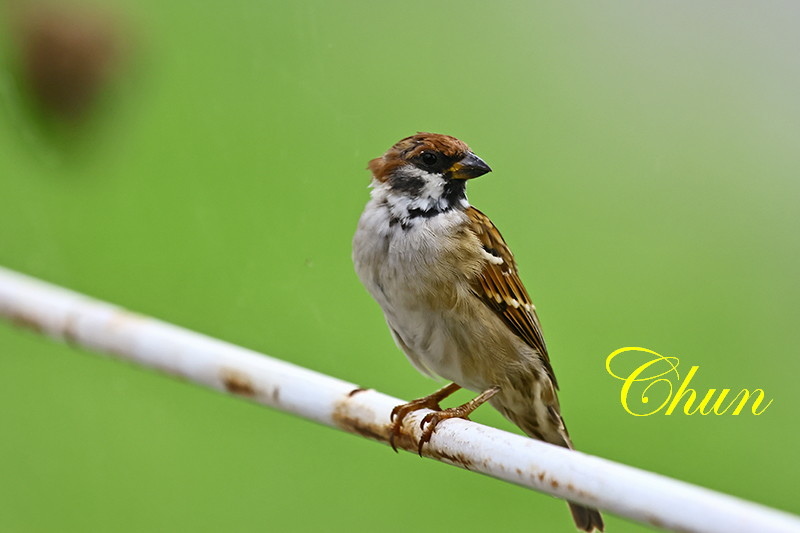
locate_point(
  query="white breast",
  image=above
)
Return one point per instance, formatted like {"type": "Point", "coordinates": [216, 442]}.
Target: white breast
{"type": "Point", "coordinates": [405, 268]}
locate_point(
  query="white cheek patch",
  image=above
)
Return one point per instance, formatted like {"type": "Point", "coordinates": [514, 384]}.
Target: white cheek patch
{"type": "Point", "coordinates": [430, 196]}
{"type": "Point", "coordinates": [433, 183]}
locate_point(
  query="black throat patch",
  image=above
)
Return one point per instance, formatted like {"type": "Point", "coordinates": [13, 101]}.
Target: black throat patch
{"type": "Point", "coordinates": [453, 195]}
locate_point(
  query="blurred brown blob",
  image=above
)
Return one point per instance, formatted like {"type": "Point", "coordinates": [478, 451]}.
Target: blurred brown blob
{"type": "Point", "coordinates": [67, 55]}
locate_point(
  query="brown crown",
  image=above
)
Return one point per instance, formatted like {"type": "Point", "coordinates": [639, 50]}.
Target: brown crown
{"type": "Point", "coordinates": [410, 147]}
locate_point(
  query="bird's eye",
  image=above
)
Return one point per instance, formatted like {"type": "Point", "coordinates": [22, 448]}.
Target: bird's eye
{"type": "Point", "coordinates": [429, 158]}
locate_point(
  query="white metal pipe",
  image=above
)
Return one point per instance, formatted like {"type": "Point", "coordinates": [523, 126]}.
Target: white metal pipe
{"type": "Point", "coordinates": [636, 494]}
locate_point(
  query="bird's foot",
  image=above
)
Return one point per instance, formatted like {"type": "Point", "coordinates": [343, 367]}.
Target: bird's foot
{"type": "Point", "coordinates": [428, 402]}
{"type": "Point", "coordinates": [431, 420]}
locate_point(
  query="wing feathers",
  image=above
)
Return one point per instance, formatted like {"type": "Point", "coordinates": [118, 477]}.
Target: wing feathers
{"type": "Point", "coordinates": [501, 289]}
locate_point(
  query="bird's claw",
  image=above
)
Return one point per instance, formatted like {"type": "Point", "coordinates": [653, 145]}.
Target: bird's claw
{"type": "Point", "coordinates": [431, 420]}
{"type": "Point", "coordinates": [399, 414]}
{"type": "Point", "coordinates": [431, 401]}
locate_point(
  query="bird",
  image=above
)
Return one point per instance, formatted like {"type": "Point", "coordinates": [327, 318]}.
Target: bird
{"type": "Point", "coordinates": [451, 294]}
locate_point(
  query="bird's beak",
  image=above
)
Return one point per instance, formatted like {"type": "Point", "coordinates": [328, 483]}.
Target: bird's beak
{"type": "Point", "coordinates": [469, 167]}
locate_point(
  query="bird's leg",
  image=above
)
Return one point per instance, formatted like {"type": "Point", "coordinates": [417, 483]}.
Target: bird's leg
{"type": "Point", "coordinates": [428, 402]}
{"type": "Point", "coordinates": [462, 411]}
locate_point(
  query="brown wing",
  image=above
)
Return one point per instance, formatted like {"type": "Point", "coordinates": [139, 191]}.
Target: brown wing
{"type": "Point", "coordinates": [499, 287]}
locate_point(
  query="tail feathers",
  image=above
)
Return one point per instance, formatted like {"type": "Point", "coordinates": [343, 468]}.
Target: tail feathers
{"type": "Point", "coordinates": [586, 518]}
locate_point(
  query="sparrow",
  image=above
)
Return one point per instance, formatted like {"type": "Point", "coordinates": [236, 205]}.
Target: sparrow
{"type": "Point", "coordinates": [451, 294]}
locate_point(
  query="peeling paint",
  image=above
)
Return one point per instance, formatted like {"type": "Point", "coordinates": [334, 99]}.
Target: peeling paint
{"type": "Point", "coordinates": [359, 427]}
{"type": "Point", "coordinates": [22, 319]}
{"type": "Point", "coordinates": [344, 419]}
{"type": "Point", "coordinates": [459, 459]}
{"type": "Point", "coordinates": [237, 382]}
{"type": "Point", "coordinates": [654, 521]}
{"type": "Point", "coordinates": [585, 495]}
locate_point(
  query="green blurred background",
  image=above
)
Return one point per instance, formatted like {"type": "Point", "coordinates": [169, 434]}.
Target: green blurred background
{"type": "Point", "coordinates": [646, 164]}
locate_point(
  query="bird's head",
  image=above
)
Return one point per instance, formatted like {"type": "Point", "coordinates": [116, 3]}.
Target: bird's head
{"type": "Point", "coordinates": [428, 165]}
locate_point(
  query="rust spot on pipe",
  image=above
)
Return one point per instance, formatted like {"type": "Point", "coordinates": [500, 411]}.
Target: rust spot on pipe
{"type": "Point", "coordinates": [543, 479]}
{"type": "Point", "coordinates": [657, 522]}
{"type": "Point", "coordinates": [580, 492]}
{"type": "Point", "coordinates": [345, 418]}
{"type": "Point", "coordinates": [238, 383]}
{"type": "Point", "coordinates": [359, 427]}
{"type": "Point", "coordinates": [23, 320]}
{"type": "Point", "coordinates": [455, 458]}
